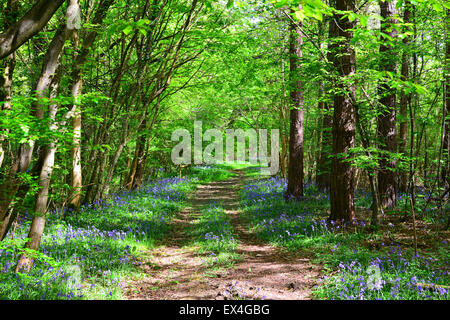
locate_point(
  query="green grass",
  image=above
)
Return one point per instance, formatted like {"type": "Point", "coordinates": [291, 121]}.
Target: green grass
{"type": "Point", "coordinates": [206, 174]}
{"type": "Point", "coordinates": [213, 234]}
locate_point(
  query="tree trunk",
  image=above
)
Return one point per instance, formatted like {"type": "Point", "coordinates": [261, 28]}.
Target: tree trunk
{"type": "Point", "coordinates": [323, 179]}
{"type": "Point", "coordinates": [386, 126]}
{"type": "Point", "coordinates": [40, 209]}
{"type": "Point", "coordinates": [446, 143]}
{"type": "Point", "coordinates": [405, 99]}
{"type": "Point", "coordinates": [134, 179]}
{"type": "Point", "coordinates": [38, 222]}
{"type": "Point", "coordinates": [284, 108]}
{"type": "Point", "coordinates": [343, 134]}
{"type": "Point", "coordinates": [112, 166]}
{"type": "Point", "coordinates": [77, 85]}
{"type": "Point", "coordinates": [6, 72]}
{"type": "Point", "coordinates": [323, 168]}
{"type": "Point", "coordinates": [76, 173]}
{"type": "Point", "coordinates": [98, 185]}
{"type": "Point", "coordinates": [296, 131]}
{"type": "Point", "coordinates": [90, 190]}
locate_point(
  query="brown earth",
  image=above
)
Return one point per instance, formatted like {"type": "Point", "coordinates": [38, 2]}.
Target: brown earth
{"type": "Point", "coordinates": [177, 271]}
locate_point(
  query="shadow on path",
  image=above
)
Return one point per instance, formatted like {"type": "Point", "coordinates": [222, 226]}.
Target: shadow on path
{"type": "Point", "coordinates": [176, 271]}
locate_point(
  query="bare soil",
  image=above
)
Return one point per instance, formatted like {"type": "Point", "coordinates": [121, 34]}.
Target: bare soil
{"type": "Point", "coordinates": [176, 271]}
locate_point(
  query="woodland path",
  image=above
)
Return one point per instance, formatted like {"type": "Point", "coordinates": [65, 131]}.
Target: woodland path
{"type": "Point", "coordinates": [175, 271]}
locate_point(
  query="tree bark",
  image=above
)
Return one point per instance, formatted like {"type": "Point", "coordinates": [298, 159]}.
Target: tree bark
{"type": "Point", "coordinates": [405, 99]}
{"type": "Point", "coordinates": [38, 222]}
{"type": "Point", "coordinates": [386, 125]}
{"type": "Point", "coordinates": [40, 209]}
{"type": "Point", "coordinates": [323, 179]}
{"type": "Point", "coordinates": [7, 67]}
{"type": "Point", "coordinates": [445, 175]}
{"type": "Point", "coordinates": [135, 178]}
{"type": "Point", "coordinates": [343, 134]}
{"type": "Point", "coordinates": [296, 131]}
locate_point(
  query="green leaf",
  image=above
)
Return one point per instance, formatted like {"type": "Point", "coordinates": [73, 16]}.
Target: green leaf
{"type": "Point", "coordinates": [437, 7]}
{"type": "Point", "coordinates": [363, 20]}
{"type": "Point", "coordinates": [300, 15]}
{"type": "Point", "coordinates": [128, 29]}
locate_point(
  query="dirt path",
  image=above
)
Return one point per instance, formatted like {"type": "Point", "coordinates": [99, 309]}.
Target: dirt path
{"type": "Point", "coordinates": [176, 271]}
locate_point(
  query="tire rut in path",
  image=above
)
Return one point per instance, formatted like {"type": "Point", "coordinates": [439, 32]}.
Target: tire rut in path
{"type": "Point", "coordinates": [175, 271]}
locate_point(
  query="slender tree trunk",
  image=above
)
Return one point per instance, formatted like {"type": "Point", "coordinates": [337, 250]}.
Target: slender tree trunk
{"type": "Point", "coordinates": [412, 109]}
{"type": "Point", "coordinates": [40, 208]}
{"type": "Point", "coordinates": [38, 223]}
{"type": "Point", "coordinates": [6, 72]}
{"type": "Point", "coordinates": [136, 166]}
{"type": "Point", "coordinates": [284, 124]}
{"type": "Point", "coordinates": [323, 162]}
{"type": "Point", "coordinates": [76, 172]}
{"type": "Point", "coordinates": [343, 135]}
{"type": "Point", "coordinates": [90, 190]}
{"type": "Point", "coordinates": [99, 184]}
{"type": "Point", "coordinates": [113, 164]}
{"type": "Point", "coordinates": [296, 132]}
{"type": "Point", "coordinates": [386, 126]}
{"type": "Point", "coordinates": [445, 175]}
{"type": "Point", "coordinates": [77, 76]}
{"type": "Point", "coordinates": [284, 142]}
{"type": "Point", "coordinates": [405, 100]}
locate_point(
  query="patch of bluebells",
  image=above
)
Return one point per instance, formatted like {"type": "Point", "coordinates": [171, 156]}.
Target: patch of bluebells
{"type": "Point", "coordinates": [143, 213]}
{"type": "Point", "coordinates": [397, 277]}
{"type": "Point", "coordinates": [92, 249]}
{"type": "Point", "coordinates": [167, 189]}
{"type": "Point", "coordinates": [95, 240]}
{"type": "Point", "coordinates": [287, 223]}
{"type": "Point", "coordinates": [282, 222]}
{"type": "Point", "coordinates": [39, 283]}
{"type": "Point", "coordinates": [261, 190]}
